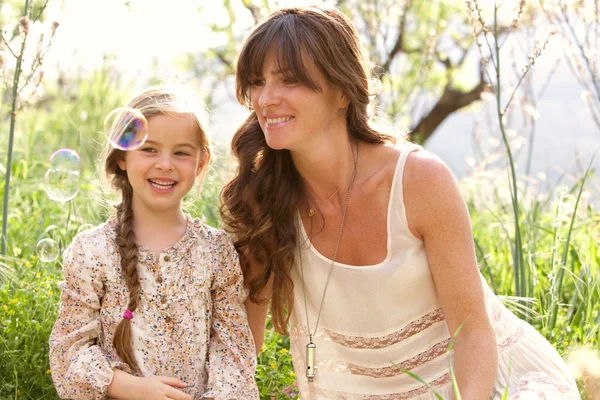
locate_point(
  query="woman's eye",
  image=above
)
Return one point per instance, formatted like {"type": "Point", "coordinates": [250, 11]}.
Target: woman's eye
{"type": "Point", "coordinates": [290, 81]}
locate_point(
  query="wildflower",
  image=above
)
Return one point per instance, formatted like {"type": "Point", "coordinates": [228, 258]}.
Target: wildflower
{"type": "Point", "coordinates": [13, 301]}
{"type": "Point", "coordinates": [273, 365]}
{"type": "Point", "coordinates": [24, 24]}
{"type": "Point", "coordinates": [17, 251]}
{"type": "Point", "coordinates": [38, 77]}
{"type": "Point", "coordinates": [292, 373]}
{"type": "Point", "coordinates": [283, 351]}
{"type": "Point", "coordinates": [5, 308]}
{"type": "Point", "coordinates": [53, 28]}
{"type": "Point", "coordinates": [48, 372]}
{"type": "Point", "coordinates": [37, 275]}
{"type": "Point", "coordinates": [264, 347]}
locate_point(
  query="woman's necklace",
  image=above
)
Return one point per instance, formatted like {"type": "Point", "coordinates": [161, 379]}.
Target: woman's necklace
{"type": "Point", "coordinates": [311, 211]}
{"type": "Point", "coordinates": [311, 347]}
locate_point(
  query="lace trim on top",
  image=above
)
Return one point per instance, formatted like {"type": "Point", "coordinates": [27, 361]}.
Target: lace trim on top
{"type": "Point", "coordinates": [335, 395]}
{"type": "Point", "coordinates": [358, 342]}
{"type": "Point", "coordinates": [393, 370]}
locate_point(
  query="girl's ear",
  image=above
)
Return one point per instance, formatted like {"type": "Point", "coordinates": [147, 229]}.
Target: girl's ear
{"type": "Point", "coordinates": [121, 163]}
{"type": "Point", "coordinates": [202, 163]}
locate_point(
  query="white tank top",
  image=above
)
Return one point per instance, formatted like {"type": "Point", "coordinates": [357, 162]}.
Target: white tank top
{"type": "Point", "coordinates": [377, 320]}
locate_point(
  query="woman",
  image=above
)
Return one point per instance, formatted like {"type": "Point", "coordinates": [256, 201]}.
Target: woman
{"type": "Point", "coordinates": [363, 248]}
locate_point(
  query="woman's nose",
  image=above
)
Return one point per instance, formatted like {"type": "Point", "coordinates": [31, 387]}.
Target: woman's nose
{"type": "Point", "coordinates": [269, 95]}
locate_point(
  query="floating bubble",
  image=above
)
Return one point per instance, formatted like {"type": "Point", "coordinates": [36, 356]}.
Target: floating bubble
{"type": "Point", "coordinates": [84, 227]}
{"type": "Point", "coordinates": [126, 128]}
{"type": "Point", "coordinates": [66, 160]}
{"type": "Point", "coordinates": [62, 185]}
{"type": "Point", "coordinates": [47, 250]}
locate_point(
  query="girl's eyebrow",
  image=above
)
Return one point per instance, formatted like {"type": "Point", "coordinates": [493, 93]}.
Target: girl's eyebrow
{"type": "Point", "coordinates": [185, 144]}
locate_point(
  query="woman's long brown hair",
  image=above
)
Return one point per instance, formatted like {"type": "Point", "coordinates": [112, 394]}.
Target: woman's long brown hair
{"type": "Point", "coordinates": [259, 205]}
{"type": "Point", "coordinates": [152, 101]}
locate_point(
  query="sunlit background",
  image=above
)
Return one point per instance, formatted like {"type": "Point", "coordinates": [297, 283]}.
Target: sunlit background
{"type": "Point", "coordinates": [149, 39]}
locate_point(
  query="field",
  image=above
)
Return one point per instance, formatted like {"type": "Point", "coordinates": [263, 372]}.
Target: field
{"type": "Point", "coordinates": [550, 277]}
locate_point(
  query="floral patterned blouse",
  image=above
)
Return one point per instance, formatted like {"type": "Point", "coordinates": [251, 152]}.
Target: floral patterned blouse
{"type": "Point", "coordinates": [190, 322]}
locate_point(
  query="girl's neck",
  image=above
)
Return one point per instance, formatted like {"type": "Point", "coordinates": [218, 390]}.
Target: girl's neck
{"type": "Point", "coordinates": [158, 231]}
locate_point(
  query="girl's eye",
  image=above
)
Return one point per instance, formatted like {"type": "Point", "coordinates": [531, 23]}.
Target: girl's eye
{"type": "Point", "coordinates": [257, 82]}
{"type": "Point", "coordinates": [148, 150]}
{"type": "Point", "coordinates": [181, 153]}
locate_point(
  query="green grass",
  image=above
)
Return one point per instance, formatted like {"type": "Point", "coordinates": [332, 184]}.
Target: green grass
{"type": "Point", "coordinates": [561, 271]}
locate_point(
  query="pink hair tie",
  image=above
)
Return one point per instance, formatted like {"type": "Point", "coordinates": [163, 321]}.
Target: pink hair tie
{"type": "Point", "coordinates": [128, 314]}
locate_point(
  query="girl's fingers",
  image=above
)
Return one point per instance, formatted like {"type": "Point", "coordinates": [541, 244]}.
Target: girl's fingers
{"type": "Point", "coordinates": [174, 382]}
{"type": "Point", "coordinates": [175, 394]}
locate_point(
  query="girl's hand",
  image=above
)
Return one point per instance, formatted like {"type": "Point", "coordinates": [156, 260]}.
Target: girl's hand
{"type": "Point", "coordinates": [159, 388]}
{"type": "Point", "coordinates": [125, 386]}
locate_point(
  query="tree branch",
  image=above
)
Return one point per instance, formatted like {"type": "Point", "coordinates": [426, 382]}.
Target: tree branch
{"type": "Point", "coordinates": [451, 100]}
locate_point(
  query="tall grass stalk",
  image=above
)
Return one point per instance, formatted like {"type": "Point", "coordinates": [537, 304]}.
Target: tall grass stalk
{"type": "Point", "coordinates": [558, 274]}
{"type": "Point", "coordinates": [517, 249]}
{"type": "Point", "coordinates": [13, 119]}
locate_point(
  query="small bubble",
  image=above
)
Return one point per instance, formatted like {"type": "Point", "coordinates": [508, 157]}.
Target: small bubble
{"type": "Point", "coordinates": [62, 179]}
{"type": "Point", "coordinates": [66, 160]}
{"type": "Point", "coordinates": [61, 185]}
{"type": "Point", "coordinates": [47, 250]}
{"type": "Point", "coordinates": [126, 128]}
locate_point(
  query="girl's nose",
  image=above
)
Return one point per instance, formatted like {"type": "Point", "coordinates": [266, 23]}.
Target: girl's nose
{"type": "Point", "coordinates": [164, 163]}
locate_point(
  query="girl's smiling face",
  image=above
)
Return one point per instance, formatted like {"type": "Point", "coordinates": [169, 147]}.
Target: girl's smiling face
{"type": "Point", "coordinates": [164, 169]}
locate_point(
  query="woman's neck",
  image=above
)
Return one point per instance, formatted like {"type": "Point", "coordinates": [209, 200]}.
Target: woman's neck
{"type": "Point", "coordinates": [327, 169]}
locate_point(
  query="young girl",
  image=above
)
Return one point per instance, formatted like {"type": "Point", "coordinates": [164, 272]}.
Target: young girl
{"type": "Point", "coordinates": [153, 300]}
{"type": "Point", "coordinates": [363, 248]}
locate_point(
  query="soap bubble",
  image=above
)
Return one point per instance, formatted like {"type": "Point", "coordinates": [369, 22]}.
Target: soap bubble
{"type": "Point", "coordinates": [62, 179]}
{"type": "Point", "coordinates": [47, 250]}
{"type": "Point", "coordinates": [126, 128]}
{"type": "Point", "coordinates": [66, 160]}
{"type": "Point", "coordinates": [61, 185]}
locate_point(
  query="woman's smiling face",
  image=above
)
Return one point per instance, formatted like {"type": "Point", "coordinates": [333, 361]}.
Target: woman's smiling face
{"type": "Point", "coordinates": [292, 115]}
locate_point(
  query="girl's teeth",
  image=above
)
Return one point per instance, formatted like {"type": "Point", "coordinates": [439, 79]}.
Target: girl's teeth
{"type": "Point", "coordinates": [162, 185]}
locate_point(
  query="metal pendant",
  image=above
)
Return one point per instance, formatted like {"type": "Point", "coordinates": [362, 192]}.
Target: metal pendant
{"type": "Point", "coordinates": [310, 361]}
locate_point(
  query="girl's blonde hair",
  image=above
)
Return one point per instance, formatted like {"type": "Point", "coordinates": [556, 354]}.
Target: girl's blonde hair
{"type": "Point", "coordinates": [155, 100]}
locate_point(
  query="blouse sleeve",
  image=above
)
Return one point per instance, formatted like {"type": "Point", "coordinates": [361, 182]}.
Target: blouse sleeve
{"type": "Point", "coordinates": [80, 369]}
{"type": "Point", "coordinates": [231, 353]}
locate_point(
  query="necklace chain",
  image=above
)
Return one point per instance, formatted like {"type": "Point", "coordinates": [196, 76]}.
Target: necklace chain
{"type": "Point", "coordinates": [311, 211]}
{"type": "Point", "coordinates": [311, 347]}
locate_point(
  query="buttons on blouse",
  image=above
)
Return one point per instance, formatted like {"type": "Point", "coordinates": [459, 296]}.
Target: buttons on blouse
{"type": "Point", "coordinates": [163, 300]}
{"type": "Point", "coordinates": [159, 279]}
{"type": "Point", "coordinates": [167, 258]}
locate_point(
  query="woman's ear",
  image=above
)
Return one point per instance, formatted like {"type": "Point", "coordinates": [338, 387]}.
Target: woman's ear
{"type": "Point", "coordinates": [342, 100]}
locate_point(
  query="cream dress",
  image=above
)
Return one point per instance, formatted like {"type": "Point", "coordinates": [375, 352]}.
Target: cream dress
{"type": "Point", "coordinates": [382, 318]}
